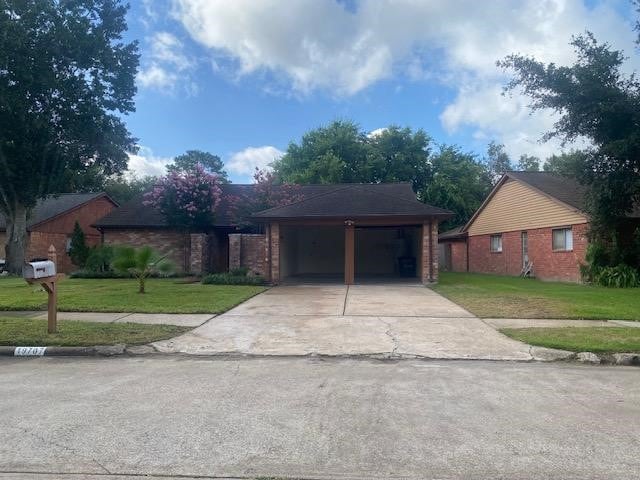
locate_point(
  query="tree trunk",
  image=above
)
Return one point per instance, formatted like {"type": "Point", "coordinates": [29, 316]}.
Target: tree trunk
{"type": "Point", "coordinates": [141, 281]}
{"type": "Point", "coordinates": [16, 246]}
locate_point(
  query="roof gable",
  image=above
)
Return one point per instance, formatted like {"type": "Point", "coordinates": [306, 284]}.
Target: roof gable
{"type": "Point", "coordinates": [53, 206]}
{"type": "Point", "coordinates": [516, 205]}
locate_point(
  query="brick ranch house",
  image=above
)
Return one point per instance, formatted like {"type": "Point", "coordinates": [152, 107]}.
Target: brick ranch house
{"type": "Point", "coordinates": [52, 220]}
{"type": "Point", "coordinates": [345, 232]}
{"type": "Point", "coordinates": [536, 217]}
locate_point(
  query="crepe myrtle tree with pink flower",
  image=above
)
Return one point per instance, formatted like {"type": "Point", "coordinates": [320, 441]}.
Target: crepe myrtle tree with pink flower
{"type": "Point", "coordinates": [268, 193]}
{"type": "Point", "coordinates": [187, 199]}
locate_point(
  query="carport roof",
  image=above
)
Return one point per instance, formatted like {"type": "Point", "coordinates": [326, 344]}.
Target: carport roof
{"type": "Point", "coordinates": [357, 201]}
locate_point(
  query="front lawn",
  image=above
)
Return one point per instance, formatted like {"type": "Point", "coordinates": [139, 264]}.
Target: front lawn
{"type": "Point", "coordinates": [120, 295]}
{"type": "Point", "coordinates": [580, 339]}
{"type": "Point", "coordinates": [493, 296]}
{"type": "Point", "coordinates": [33, 332]}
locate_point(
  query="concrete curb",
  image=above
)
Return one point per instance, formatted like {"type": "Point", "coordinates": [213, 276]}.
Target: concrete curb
{"type": "Point", "coordinates": [625, 359]}
{"type": "Point", "coordinates": [29, 351]}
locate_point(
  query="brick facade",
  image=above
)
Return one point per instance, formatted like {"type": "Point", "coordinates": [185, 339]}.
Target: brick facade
{"type": "Point", "coordinates": [248, 250]}
{"type": "Point", "coordinates": [176, 245]}
{"type": "Point", "coordinates": [454, 255]}
{"type": "Point", "coordinates": [547, 264]}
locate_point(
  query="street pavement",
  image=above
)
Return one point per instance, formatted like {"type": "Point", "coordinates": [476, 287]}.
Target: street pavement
{"type": "Point", "coordinates": [178, 416]}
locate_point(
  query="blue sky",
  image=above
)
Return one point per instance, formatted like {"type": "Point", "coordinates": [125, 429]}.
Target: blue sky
{"type": "Point", "coordinates": [243, 78]}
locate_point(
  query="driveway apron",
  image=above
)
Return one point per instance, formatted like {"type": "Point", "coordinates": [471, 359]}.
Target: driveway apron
{"type": "Point", "coordinates": [389, 321]}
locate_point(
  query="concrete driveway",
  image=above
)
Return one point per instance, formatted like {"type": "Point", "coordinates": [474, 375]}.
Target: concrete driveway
{"type": "Point", "coordinates": [376, 320]}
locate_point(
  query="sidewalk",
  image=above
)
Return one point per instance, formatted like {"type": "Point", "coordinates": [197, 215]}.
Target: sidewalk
{"type": "Point", "coordinates": [179, 319]}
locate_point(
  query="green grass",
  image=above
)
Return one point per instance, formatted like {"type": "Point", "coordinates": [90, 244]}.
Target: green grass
{"type": "Point", "coordinates": [120, 295]}
{"type": "Point", "coordinates": [33, 332]}
{"type": "Point", "coordinates": [580, 339]}
{"type": "Point", "coordinates": [493, 296]}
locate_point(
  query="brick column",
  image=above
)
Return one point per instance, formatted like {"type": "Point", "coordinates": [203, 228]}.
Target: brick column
{"type": "Point", "coordinates": [235, 246]}
{"type": "Point", "coordinates": [349, 253]}
{"type": "Point", "coordinates": [198, 253]}
{"type": "Point", "coordinates": [274, 233]}
{"type": "Point", "coordinates": [429, 252]}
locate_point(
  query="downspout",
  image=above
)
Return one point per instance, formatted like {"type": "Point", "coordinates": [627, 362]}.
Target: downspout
{"type": "Point", "coordinates": [466, 242]}
{"type": "Point", "coordinates": [268, 233]}
{"type": "Point", "coordinates": [430, 251]}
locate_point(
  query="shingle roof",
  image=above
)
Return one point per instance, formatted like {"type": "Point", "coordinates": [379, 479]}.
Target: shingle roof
{"type": "Point", "coordinates": [565, 189]}
{"type": "Point", "coordinates": [357, 200]}
{"type": "Point", "coordinates": [317, 200]}
{"type": "Point", "coordinates": [453, 234]}
{"type": "Point", "coordinates": [53, 206]}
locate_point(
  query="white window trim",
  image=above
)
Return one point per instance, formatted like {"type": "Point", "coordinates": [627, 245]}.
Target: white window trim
{"type": "Point", "coordinates": [491, 237]}
{"type": "Point", "coordinates": [568, 245]}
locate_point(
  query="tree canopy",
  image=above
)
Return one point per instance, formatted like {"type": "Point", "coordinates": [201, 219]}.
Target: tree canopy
{"type": "Point", "coordinates": [66, 78]}
{"type": "Point", "coordinates": [498, 161]}
{"type": "Point", "coordinates": [341, 153]}
{"type": "Point", "coordinates": [188, 161]}
{"type": "Point", "coordinates": [593, 99]}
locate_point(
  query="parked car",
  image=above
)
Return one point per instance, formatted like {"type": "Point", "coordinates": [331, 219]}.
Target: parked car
{"type": "Point", "coordinates": [2, 265]}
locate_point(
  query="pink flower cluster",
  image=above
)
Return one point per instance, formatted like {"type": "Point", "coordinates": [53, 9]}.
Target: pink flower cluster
{"type": "Point", "coordinates": [186, 199]}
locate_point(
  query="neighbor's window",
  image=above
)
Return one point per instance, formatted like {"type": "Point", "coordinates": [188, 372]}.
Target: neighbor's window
{"type": "Point", "coordinates": [496, 243]}
{"type": "Point", "coordinates": [562, 239]}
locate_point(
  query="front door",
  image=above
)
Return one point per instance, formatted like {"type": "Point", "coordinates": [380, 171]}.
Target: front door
{"type": "Point", "coordinates": [525, 249]}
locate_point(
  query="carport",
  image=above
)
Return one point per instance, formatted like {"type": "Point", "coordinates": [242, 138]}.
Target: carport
{"type": "Point", "coordinates": [354, 233]}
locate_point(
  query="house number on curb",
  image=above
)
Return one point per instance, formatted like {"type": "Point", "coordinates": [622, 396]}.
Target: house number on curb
{"type": "Point", "coordinates": [29, 351]}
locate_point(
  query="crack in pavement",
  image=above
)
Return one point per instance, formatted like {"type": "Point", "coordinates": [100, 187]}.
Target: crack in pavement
{"type": "Point", "coordinates": [394, 339]}
{"type": "Point", "coordinates": [64, 447]}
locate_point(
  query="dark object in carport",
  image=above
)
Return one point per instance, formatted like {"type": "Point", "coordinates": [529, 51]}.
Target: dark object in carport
{"type": "Point", "coordinates": [407, 266]}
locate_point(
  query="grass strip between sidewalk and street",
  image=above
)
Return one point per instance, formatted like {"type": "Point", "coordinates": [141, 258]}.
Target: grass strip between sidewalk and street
{"type": "Point", "coordinates": [580, 339]}
{"type": "Point", "coordinates": [496, 296]}
{"type": "Point", "coordinates": [33, 332]}
{"type": "Point", "coordinates": [121, 295]}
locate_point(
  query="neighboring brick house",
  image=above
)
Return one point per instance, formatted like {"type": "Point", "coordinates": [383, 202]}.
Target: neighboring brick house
{"type": "Point", "coordinates": [348, 231]}
{"type": "Point", "coordinates": [52, 220]}
{"type": "Point", "coordinates": [535, 217]}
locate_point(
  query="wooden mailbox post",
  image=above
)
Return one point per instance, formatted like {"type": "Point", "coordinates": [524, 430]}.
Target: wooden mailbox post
{"type": "Point", "coordinates": [47, 282]}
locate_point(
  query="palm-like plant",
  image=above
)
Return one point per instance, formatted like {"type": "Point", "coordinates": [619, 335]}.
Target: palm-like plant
{"type": "Point", "coordinates": [141, 263]}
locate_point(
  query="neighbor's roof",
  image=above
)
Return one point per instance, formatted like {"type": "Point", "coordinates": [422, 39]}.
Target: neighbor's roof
{"type": "Point", "coordinates": [357, 201]}
{"type": "Point", "coordinates": [55, 205]}
{"type": "Point", "coordinates": [453, 234]}
{"type": "Point", "coordinates": [565, 190]}
{"type": "Point", "coordinates": [328, 201]}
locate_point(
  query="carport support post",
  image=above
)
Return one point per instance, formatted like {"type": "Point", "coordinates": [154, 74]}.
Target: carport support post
{"type": "Point", "coordinates": [349, 252]}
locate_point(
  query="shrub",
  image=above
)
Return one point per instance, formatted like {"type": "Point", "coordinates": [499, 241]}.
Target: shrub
{"type": "Point", "coordinates": [96, 274]}
{"type": "Point", "coordinates": [620, 276]}
{"type": "Point", "coordinates": [99, 259]}
{"type": "Point", "coordinates": [239, 272]}
{"type": "Point", "coordinates": [78, 250]}
{"type": "Point", "coordinates": [229, 279]}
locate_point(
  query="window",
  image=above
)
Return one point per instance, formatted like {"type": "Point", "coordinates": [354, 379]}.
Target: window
{"type": "Point", "coordinates": [496, 243]}
{"type": "Point", "coordinates": [562, 239]}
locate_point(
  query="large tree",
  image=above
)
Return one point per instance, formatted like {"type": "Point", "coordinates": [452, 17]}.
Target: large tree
{"type": "Point", "coordinates": [189, 160]}
{"type": "Point", "coordinates": [336, 153]}
{"type": "Point", "coordinates": [528, 163]}
{"type": "Point", "coordinates": [66, 79]}
{"type": "Point", "coordinates": [498, 161]}
{"type": "Point", "coordinates": [596, 100]}
{"type": "Point", "coordinates": [342, 153]}
{"type": "Point", "coordinates": [460, 183]}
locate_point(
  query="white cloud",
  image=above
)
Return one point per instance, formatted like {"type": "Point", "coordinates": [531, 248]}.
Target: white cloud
{"type": "Point", "coordinates": [246, 161]}
{"type": "Point", "coordinates": [166, 65]}
{"type": "Point", "coordinates": [312, 45]}
{"type": "Point", "coordinates": [377, 132]}
{"type": "Point", "coordinates": [146, 163]}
